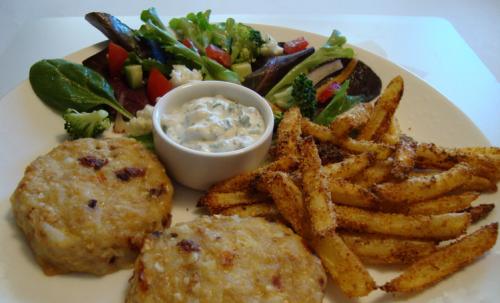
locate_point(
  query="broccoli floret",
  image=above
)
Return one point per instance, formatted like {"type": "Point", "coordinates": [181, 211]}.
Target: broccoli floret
{"type": "Point", "coordinates": [301, 93]}
{"type": "Point", "coordinates": [244, 41]}
{"type": "Point", "coordinates": [256, 38]}
{"type": "Point", "coordinates": [85, 125]}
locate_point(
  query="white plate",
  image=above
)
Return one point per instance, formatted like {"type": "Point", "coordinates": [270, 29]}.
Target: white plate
{"type": "Point", "coordinates": [28, 129]}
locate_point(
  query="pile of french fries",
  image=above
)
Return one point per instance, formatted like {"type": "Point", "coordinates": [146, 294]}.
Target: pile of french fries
{"type": "Point", "coordinates": [391, 200]}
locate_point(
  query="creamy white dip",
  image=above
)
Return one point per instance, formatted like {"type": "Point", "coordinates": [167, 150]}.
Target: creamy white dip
{"type": "Point", "coordinates": [214, 124]}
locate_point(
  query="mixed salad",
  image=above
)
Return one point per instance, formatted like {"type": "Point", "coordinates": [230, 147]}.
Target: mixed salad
{"type": "Point", "coordinates": [115, 90]}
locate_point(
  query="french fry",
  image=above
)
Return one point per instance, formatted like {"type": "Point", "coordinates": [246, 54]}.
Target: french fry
{"type": "Point", "coordinates": [423, 188]}
{"type": "Point", "coordinates": [266, 210]}
{"type": "Point", "coordinates": [484, 150]}
{"type": "Point", "coordinates": [349, 167]}
{"type": "Point", "coordinates": [316, 195]}
{"type": "Point", "coordinates": [424, 172]}
{"type": "Point", "coordinates": [244, 181]}
{"type": "Point", "coordinates": [480, 211]}
{"type": "Point", "coordinates": [377, 173]}
{"type": "Point", "coordinates": [383, 112]}
{"type": "Point", "coordinates": [288, 134]}
{"type": "Point", "coordinates": [404, 157]}
{"type": "Point", "coordinates": [479, 184]}
{"type": "Point", "coordinates": [215, 201]}
{"type": "Point", "coordinates": [380, 249]}
{"type": "Point", "coordinates": [352, 119]}
{"type": "Point", "coordinates": [445, 261]}
{"type": "Point", "coordinates": [437, 227]}
{"type": "Point", "coordinates": [443, 205]}
{"type": "Point", "coordinates": [393, 134]}
{"type": "Point", "coordinates": [319, 132]}
{"type": "Point", "coordinates": [343, 266]}
{"type": "Point", "coordinates": [347, 193]}
{"type": "Point", "coordinates": [430, 155]}
{"type": "Point", "coordinates": [288, 199]}
{"type": "Point", "coordinates": [380, 150]}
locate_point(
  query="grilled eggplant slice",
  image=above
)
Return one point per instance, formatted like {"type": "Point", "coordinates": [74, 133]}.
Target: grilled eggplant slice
{"type": "Point", "coordinates": [263, 79]}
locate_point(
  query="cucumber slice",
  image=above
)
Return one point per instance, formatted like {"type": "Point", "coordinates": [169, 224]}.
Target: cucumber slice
{"type": "Point", "coordinates": [242, 69]}
{"type": "Point", "coordinates": [134, 75]}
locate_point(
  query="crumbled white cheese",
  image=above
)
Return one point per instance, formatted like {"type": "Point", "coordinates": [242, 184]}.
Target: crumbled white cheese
{"type": "Point", "coordinates": [270, 46]}
{"type": "Point", "coordinates": [142, 123]}
{"type": "Point", "coordinates": [181, 75]}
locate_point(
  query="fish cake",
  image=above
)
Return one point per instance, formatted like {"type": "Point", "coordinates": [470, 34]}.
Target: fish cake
{"type": "Point", "coordinates": [88, 204]}
{"type": "Point", "coordinates": [226, 259]}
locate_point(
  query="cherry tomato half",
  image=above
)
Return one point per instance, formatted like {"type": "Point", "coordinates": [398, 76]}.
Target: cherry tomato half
{"type": "Point", "coordinates": [116, 58]}
{"type": "Point", "coordinates": [158, 85]}
{"type": "Point", "coordinates": [217, 54]}
{"type": "Point", "coordinates": [294, 46]}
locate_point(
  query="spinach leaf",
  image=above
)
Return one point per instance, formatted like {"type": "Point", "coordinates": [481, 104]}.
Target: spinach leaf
{"type": "Point", "coordinates": [340, 103]}
{"type": "Point", "coordinates": [62, 85]}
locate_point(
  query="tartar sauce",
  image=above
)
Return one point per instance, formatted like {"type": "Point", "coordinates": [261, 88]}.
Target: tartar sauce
{"type": "Point", "coordinates": [214, 124]}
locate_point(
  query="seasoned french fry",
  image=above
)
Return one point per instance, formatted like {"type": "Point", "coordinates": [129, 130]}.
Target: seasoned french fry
{"type": "Point", "coordinates": [381, 151]}
{"type": "Point", "coordinates": [288, 134]}
{"type": "Point", "coordinates": [317, 196]}
{"type": "Point", "coordinates": [430, 155]}
{"type": "Point", "coordinates": [347, 193]}
{"type": "Point", "coordinates": [484, 150]}
{"type": "Point", "coordinates": [443, 205]}
{"type": "Point", "coordinates": [393, 134]}
{"type": "Point", "coordinates": [244, 181]}
{"type": "Point", "coordinates": [445, 261]}
{"type": "Point", "coordinates": [479, 184]}
{"type": "Point", "coordinates": [380, 249]}
{"type": "Point", "coordinates": [288, 199]}
{"type": "Point", "coordinates": [404, 157]}
{"type": "Point", "coordinates": [352, 119]}
{"type": "Point", "coordinates": [349, 167]}
{"type": "Point", "coordinates": [423, 188]}
{"type": "Point", "coordinates": [343, 266]}
{"type": "Point", "coordinates": [480, 211]}
{"type": "Point", "coordinates": [377, 173]}
{"type": "Point", "coordinates": [438, 227]}
{"type": "Point", "coordinates": [319, 132]}
{"type": "Point", "coordinates": [383, 112]}
{"type": "Point", "coordinates": [267, 210]}
{"type": "Point", "coordinates": [215, 201]}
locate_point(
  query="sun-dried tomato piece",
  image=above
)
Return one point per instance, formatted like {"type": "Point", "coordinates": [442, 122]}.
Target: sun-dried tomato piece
{"type": "Point", "coordinates": [93, 162]}
{"type": "Point", "coordinates": [128, 173]}
{"type": "Point", "coordinates": [188, 245]}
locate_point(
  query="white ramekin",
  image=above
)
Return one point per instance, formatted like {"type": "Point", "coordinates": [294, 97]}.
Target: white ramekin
{"type": "Point", "coordinates": [198, 169]}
